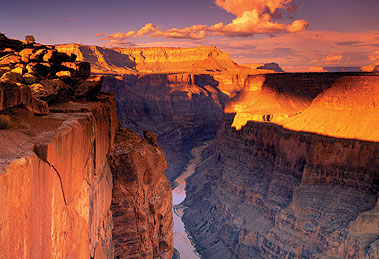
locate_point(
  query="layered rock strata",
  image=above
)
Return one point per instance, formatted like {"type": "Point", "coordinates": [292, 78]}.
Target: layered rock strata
{"type": "Point", "coordinates": [142, 202]}
{"type": "Point", "coordinates": [268, 192]}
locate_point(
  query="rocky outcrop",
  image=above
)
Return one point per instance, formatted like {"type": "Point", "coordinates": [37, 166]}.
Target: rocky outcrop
{"type": "Point", "coordinates": [141, 198]}
{"type": "Point", "coordinates": [270, 192]}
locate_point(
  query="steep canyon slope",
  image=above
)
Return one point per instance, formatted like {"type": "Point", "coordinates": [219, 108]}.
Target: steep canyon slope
{"type": "Point", "coordinates": [299, 178]}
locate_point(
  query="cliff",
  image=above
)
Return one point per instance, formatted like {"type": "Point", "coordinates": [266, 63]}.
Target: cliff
{"type": "Point", "coordinates": [142, 202]}
{"type": "Point", "coordinates": [57, 188]}
{"type": "Point", "coordinates": [150, 60]}
{"type": "Point", "coordinates": [271, 192]}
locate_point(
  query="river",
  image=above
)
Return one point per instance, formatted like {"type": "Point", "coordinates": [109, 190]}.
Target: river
{"type": "Point", "coordinates": [181, 240]}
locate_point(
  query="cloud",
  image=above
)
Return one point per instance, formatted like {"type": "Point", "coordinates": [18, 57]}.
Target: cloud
{"type": "Point", "coordinates": [68, 19]}
{"type": "Point", "coordinates": [119, 43]}
{"type": "Point", "coordinates": [297, 52]}
{"type": "Point", "coordinates": [251, 17]}
{"type": "Point", "coordinates": [348, 43]}
{"type": "Point", "coordinates": [101, 34]}
{"type": "Point", "coordinates": [375, 56]}
{"type": "Point", "coordinates": [333, 58]}
{"type": "Point", "coordinates": [194, 32]}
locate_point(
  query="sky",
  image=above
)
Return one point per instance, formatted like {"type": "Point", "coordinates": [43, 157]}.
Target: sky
{"type": "Point", "coordinates": [300, 35]}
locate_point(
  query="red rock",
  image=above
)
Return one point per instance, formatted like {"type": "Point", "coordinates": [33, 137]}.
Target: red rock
{"type": "Point", "coordinates": [12, 94]}
{"type": "Point", "coordinates": [78, 69]}
{"type": "Point", "coordinates": [142, 200]}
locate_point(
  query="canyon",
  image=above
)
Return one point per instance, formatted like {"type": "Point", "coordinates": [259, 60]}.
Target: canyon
{"type": "Point", "coordinates": [292, 171]}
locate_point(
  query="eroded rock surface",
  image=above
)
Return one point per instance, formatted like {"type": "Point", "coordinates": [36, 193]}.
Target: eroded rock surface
{"type": "Point", "coordinates": [267, 191]}
{"type": "Point", "coordinates": [141, 198]}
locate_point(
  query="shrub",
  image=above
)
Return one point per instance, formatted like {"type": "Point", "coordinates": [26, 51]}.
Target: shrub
{"type": "Point", "coordinates": [5, 121]}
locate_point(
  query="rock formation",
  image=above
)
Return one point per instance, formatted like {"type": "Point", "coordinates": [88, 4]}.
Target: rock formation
{"type": "Point", "coordinates": [56, 182]}
{"type": "Point", "coordinates": [288, 175]}
{"type": "Point", "coordinates": [142, 202]}
{"type": "Point", "coordinates": [270, 192]}
{"type": "Point", "coordinates": [271, 66]}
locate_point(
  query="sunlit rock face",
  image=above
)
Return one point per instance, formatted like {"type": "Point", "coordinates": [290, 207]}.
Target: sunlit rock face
{"type": "Point", "coordinates": [148, 60]}
{"type": "Point", "coordinates": [271, 192]}
{"type": "Point", "coordinates": [141, 199]}
{"type": "Point", "coordinates": [333, 104]}
{"type": "Point", "coordinates": [57, 185]}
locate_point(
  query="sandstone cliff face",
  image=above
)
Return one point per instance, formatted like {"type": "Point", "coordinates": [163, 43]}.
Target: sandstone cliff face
{"type": "Point", "coordinates": [56, 183]}
{"type": "Point", "coordinates": [148, 60]}
{"type": "Point", "coordinates": [141, 199]}
{"type": "Point", "coordinates": [265, 191]}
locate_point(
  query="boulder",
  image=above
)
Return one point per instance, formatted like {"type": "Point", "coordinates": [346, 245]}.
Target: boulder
{"type": "Point", "coordinates": [89, 88]}
{"type": "Point", "coordinates": [50, 90]}
{"type": "Point", "coordinates": [150, 137]}
{"type": "Point", "coordinates": [29, 79]}
{"type": "Point", "coordinates": [10, 59]}
{"type": "Point", "coordinates": [30, 38]}
{"type": "Point", "coordinates": [18, 70]}
{"type": "Point", "coordinates": [12, 94]}
{"type": "Point", "coordinates": [38, 69]}
{"type": "Point", "coordinates": [78, 68]}
{"type": "Point", "coordinates": [11, 77]}
{"type": "Point", "coordinates": [50, 56]}
{"type": "Point", "coordinates": [26, 52]}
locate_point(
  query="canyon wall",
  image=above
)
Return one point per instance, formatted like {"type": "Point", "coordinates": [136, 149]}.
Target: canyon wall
{"type": "Point", "coordinates": [61, 196]}
{"type": "Point", "coordinates": [56, 185]}
{"type": "Point", "coordinates": [142, 202]}
{"type": "Point", "coordinates": [271, 192]}
{"type": "Point", "coordinates": [183, 109]}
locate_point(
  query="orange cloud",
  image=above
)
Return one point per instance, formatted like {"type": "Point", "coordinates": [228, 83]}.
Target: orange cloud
{"type": "Point", "coordinates": [333, 58]}
{"type": "Point", "coordinates": [69, 19]}
{"type": "Point", "coordinates": [194, 32]}
{"type": "Point", "coordinates": [252, 17]}
{"type": "Point", "coordinates": [375, 56]}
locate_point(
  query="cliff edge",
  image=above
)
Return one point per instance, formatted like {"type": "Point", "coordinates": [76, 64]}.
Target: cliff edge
{"type": "Point", "coordinates": [57, 186]}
